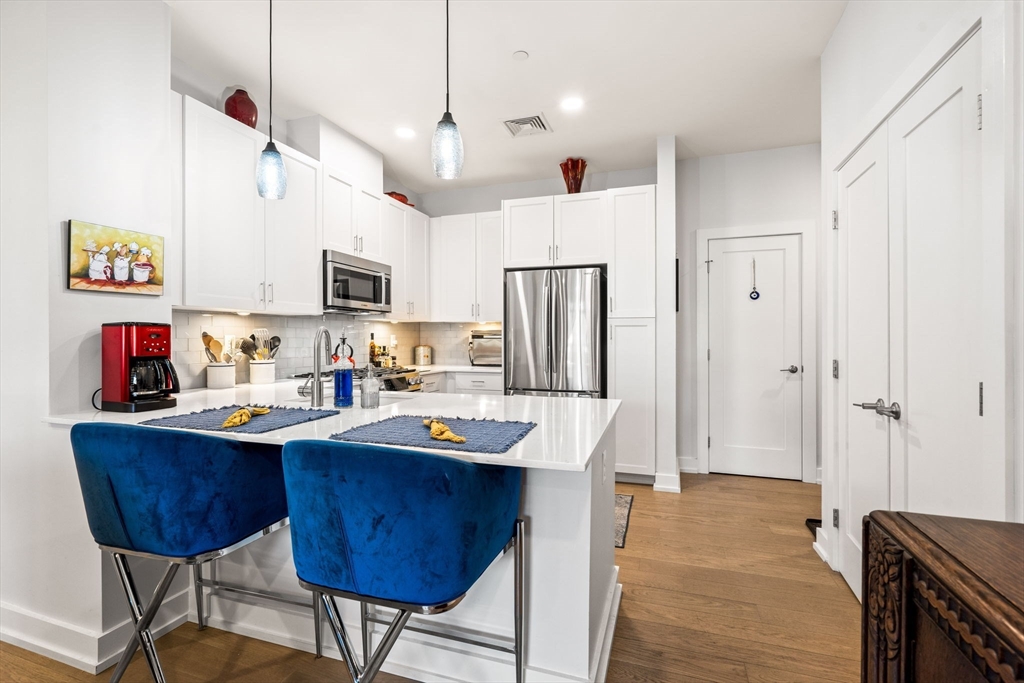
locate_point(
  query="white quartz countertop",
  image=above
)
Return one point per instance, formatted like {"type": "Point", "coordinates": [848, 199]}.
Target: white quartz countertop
{"type": "Point", "coordinates": [433, 369]}
{"type": "Point", "coordinates": [567, 433]}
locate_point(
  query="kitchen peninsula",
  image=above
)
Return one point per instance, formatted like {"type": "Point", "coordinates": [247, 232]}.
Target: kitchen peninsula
{"type": "Point", "coordinates": [572, 592]}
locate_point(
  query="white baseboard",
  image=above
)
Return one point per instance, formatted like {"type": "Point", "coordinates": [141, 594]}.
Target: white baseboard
{"type": "Point", "coordinates": [84, 649]}
{"type": "Point", "coordinates": [669, 483]}
{"type": "Point", "coordinates": [821, 551]}
{"type": "Point", "coordinates": [609, 635]}
{"type": "Point", "coordinates": [688, 465]}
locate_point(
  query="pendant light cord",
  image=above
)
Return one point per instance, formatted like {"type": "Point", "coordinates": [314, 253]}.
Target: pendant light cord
{"type": "Point", "coordinates": [447, 77]}
{"type": "Point", "coordinates": [271, 121]}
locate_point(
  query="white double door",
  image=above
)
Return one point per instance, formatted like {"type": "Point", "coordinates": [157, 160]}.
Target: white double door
{"type": "Point", "coordinates": [755, 371]}
{"type": "Point", "coordinates": [911, 321]}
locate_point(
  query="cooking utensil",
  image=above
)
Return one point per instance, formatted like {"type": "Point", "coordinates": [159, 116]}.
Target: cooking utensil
{"type": "Point", "coordinates": [210, 355]}
{"type": "Point", "coordinates": [248, 347]}
{"type": "Point", "coordinates": [216, 347]}
{"type": "Point", "coordinates": [262, 339]}
{"type": "Point", "coordinates": [207, 338]}
{"type": "Point", "coordinates": [275, 345]}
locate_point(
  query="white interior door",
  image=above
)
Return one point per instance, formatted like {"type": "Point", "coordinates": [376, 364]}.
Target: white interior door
{"type": "Point", "coordinates": [940, 462]}
{"type": "Point", "coordinates": [863, 353]}
{"type": "Point", "coordinates": [755, 368]}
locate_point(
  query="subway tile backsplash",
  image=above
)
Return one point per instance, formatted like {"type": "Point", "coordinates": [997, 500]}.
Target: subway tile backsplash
{"type": "Point", "coordinates": [449, 340]}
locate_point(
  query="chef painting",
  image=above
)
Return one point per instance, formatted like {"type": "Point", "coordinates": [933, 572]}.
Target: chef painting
{"type": "Point", "coordinates": [109, 259]}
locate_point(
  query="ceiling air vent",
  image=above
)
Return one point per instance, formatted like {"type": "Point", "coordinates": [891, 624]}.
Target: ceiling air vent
{"type": "Point", "coordinates": [529, 125]}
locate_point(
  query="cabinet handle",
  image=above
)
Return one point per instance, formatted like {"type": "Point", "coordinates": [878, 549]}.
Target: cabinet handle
{"type": "Point", "coordinates": [355, 243]}
{"type": "Point", "coordinates": [556, 252]}
{"type": "Point", "coordinates": [270, 287]}
{"type": "Point", "coordinates": [478, 310]}
{"type": "Point", "coordinates": [549, 252]}
{"type": "Point", "coordinates": [611, 304]}
{"type": "Point", "coordinates": [360, 244]}
{"type": "Point", "coordinates": [471, 309]}
{"type": "Point", "coordinates": [263, 292]}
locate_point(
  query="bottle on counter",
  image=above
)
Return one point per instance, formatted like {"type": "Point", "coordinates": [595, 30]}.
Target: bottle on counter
{"type": "Point", "coordinates": [343, 383]}
{"type": "Point", "coordinates": [369, 390]}
{"type": "Point", "coordinates": [373, 350]}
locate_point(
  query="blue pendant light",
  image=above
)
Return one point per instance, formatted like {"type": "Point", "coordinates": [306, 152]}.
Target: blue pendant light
{"type": "Point", "coordinates": [446, 147]}
{"type": "Point", "coordinates": [271, 175]}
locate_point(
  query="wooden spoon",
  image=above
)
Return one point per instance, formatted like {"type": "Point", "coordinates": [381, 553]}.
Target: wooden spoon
{"type": "Point", "coordinates": [215, 346]}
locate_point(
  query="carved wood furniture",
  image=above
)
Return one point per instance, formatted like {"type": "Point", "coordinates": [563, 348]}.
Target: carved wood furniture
{"type": "Point", "coordinates": [943, 599]}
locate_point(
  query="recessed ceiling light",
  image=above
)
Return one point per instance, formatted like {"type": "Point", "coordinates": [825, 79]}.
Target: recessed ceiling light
{"type": "Point", "coordinates": [520, 55]}
{"type": "Point", "coordinates": [572, 104]}
{"type": "Point", "coordinates": [405, 133]}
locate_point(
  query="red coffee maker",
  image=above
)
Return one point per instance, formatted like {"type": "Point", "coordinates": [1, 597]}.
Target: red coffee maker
{"type": "Point", "coordinates": [137, 370]}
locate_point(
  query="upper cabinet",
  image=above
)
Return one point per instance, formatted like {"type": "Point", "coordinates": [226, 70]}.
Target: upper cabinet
{"type": "Point", "coordinates": [223, 227]}
{"type": "Point", "coordinates": [395, 253]}
{"type": "Point", "coordinates": [417, 265]}
{"type": "Point", "coordinates": [490, 278]}
{"type": "Point", "coordinates": [369, 226]}
{"type": "Point", "coordinates": [339, 232]}
{"type": "Point", "coordinates": [453, 260]}
{"type": "Point", "coordinates": [631, 271]}
{"type": "Point", "coordinates": [581, 229]}
{"type": "Point", "coordinates": [406, 251]}
{"type": "Point", "coordinates": [294, 257]}
{"type": "Point", "coordinates": [529, 232]}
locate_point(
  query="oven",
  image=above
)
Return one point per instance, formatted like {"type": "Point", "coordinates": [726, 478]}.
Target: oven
{"type": "Point", "coordinates": [356, 285]}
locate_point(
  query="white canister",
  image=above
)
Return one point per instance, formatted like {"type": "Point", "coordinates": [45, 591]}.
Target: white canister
{"type": "Point", "coordinates": [220, 375]}
{"type": "Point", "coordinates": [261, 372]}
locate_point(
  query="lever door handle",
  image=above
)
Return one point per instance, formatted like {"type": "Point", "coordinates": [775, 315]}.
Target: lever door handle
{"type": "Point", "coordinates": [870, 406]}
{"type": "Point", "coordinates": [894, 411]}
{"type": "Point", "coordinates": [791, 369]}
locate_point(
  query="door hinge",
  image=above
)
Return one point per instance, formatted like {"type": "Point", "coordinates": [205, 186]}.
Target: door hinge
{"type": "Point", "coordinates": [981, 399]}
{"type": "Point", "coordinates": [835, 369]}
{"type": "Point", "coordinates": [979, 112]}
{"type": "Point", "coordinates": [709, 442]}
{"type": "Point", "coordinates": [709, 354]}
{"type": "Point", "coordinates": [835, 220]}
{"type": "Point", "coordinates": [835, 517]}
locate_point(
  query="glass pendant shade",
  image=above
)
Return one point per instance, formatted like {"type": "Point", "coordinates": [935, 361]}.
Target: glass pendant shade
{"type": "Point", "coordinates": [446, 149]}
{"type": "Point", "coordinates": [271, 175]}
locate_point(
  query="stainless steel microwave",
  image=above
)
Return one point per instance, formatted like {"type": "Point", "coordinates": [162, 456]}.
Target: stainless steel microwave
{"type": "Point", "coordinates": [356, 285]}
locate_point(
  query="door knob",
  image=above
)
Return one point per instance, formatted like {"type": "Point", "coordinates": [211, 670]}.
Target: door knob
{"type": "Point", "coordinates": [791, 369]}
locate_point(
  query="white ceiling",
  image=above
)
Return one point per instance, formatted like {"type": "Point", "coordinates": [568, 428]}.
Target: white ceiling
{"type": "Point", "coordinates": [723, 76]}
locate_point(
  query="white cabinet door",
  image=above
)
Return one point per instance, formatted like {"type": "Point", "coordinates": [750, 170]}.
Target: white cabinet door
{"type": "Point", "coordinates": [417, 256]}
{"type": "Point", "coordinates": [434, 383]}
{"type": "Point", "coordinates": [339, 213]}
{"type": "Point", "coordinates": [632, 382]}
{"type": "Point", "coordinates": [456, 260]}
{"type": "Point", "coordinates": [581, 234]}
{"type": "Point", "coordinates": [224, 221]}
{"type": "Point", "coordinates": [395, 255]}
{"type": "Point", "coordinates": [369, 226]}
{"type": "Point", "coordinates": [631, 274]}
{"type": "Point", "coordinates": [490, 278]}
{"type": "Point", "coordinates": [293, 233]}
{"type": "Point", "coordinates": [528, 232]}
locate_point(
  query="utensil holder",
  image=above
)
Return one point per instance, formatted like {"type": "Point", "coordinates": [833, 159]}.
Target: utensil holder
{"type": "Point", "coordinates": [220, 375]}
{"type": "Point", "coordinates": [261, 372]}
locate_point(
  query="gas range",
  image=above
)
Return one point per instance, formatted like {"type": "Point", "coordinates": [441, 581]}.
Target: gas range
{"type": "Point", "coordinates": [392, 379]}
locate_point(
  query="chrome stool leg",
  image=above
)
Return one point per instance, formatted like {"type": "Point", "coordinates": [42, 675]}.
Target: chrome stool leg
{"type": "Point", "coordinates": [518, 599]}
{"type": "Point", "coordinates": [197, 579]}
{"type": "Point", "coordinates": [318, 631]}
{"type": "Point", "coordinates": [365, 623]}
{"type": "Point", "coordinates": [141, 618]}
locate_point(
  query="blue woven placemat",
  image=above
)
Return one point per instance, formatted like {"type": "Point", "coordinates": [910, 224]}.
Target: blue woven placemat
{"type": "Point", "coordinates": [482, 436]}
{"type": "Point", "coordinates": [211, 419]}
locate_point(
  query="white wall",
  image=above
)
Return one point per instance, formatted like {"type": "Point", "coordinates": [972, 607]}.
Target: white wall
{"type": "Point", "coordinates": [489, 198]}
{"type": "Point", "coordinates": [85, 135]}
{"type": "Point", "coordinates": [752, 188]}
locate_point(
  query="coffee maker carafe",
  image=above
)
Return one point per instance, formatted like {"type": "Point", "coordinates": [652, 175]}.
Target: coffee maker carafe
{"type": "Point", "coordinates": [137, 370]}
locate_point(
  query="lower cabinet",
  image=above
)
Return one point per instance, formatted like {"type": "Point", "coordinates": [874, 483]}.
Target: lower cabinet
{"type": "Point", "coordinates": [631, 379]}
{"type": "Point", "coordinates": [478, 383]}
{"type": "Point", "coordinates": [435, 383]}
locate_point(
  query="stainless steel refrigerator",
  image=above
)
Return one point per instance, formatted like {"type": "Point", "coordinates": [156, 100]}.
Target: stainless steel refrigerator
{"type": "Point", "coordinates": [554, 332]}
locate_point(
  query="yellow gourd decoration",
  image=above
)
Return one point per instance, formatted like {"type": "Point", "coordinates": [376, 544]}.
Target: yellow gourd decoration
{"type": "Point", "coordinates": [440, 431]}
{"type": "Point", "coordinates": [243, 415]}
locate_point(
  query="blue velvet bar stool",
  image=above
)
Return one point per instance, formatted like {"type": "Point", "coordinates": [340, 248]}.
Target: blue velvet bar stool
{"type": "Point", "coordinates": [176, 496]}
{"type": "Point", "coordinates": [399, 529]}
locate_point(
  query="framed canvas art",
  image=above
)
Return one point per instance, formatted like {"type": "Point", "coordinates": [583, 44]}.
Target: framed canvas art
{"type": "Point", "coordinates": [104, 259]}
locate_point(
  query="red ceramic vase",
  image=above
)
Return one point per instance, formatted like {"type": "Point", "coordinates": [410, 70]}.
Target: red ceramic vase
{"type": "Point", "coordinates": [241, 108]}
{"type": "Point", "coordinates": [572, 172]}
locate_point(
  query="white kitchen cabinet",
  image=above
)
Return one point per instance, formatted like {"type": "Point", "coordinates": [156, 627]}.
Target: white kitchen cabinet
{"type": "Point", "coordinates": [490, 278]}
{"type": "Point", "coordinates": [454, 261]}
{"type": "Point", "coordinates": [394, 218]}
{"type": "Point", "coordinates": [435, 383]}
{"type": "Point", "coordinates": [581, 229]}
{"type": "Point", "coordinates": [294, 257]}
{"type": "Point", "coordinates": [369, 225]}
{"type": "Point", "coordinates": [528, 232]}
{"type": "Point", "coordinates": [417, 259]}
{"type": "Point", "coordinates": [339, 232]}
{"type": "Point", "coordinates": [223, 231]}
{"type": "Point", "coordinates": [631, 273]}
{"type": "Point", "coordinates": [632, 381]}
{"type": "Point", "coordinates": [478, 383]}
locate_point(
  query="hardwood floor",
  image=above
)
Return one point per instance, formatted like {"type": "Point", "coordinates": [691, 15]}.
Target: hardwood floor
{"type": "Point", "coordinates": [719, 584]}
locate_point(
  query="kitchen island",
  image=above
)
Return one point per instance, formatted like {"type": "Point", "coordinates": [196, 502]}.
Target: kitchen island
{"type": "Point", "coordinates": [572, 592]}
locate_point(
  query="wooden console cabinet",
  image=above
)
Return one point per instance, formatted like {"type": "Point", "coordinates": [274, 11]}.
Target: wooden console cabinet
{"type": "Point", "coordinates": [943, 599]}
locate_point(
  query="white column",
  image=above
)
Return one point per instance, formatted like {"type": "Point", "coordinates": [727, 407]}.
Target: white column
{"type": "Point", "coordinates": [666, 462]}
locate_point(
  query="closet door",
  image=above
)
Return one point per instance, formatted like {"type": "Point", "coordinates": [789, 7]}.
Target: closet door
{"type": "Point", "coordinates": [941, 462]}
{"type": "Point", "coordinates": [862, 347]}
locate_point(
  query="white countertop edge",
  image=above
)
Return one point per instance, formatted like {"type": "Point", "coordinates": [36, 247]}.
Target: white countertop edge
{"type": "Point", "coordinates": [437, 368]}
